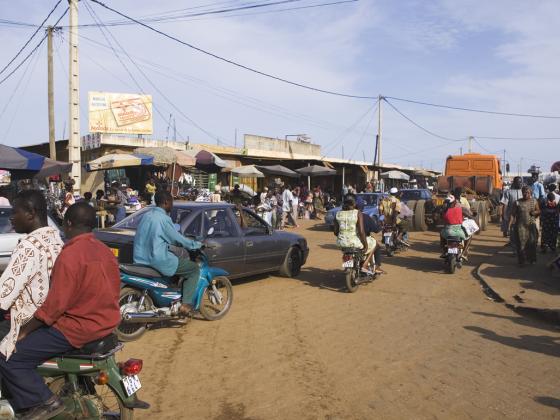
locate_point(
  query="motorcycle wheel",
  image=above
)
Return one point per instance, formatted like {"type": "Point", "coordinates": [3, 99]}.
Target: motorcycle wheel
{"type": "Point", "coordinates": [107, 400]}
{"type": "Point", "coordinates": [213, 311]}
{"type": "Point", "coordinates": [351, 280]}
{"type": "Point", "coordinates": [129, 297]}
{"type": "Point", "coordinates": [451, 264]}
{"type": "Point", "coordinates": [389, 250]}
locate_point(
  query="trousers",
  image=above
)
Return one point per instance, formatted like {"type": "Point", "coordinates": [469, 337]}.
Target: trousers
{"type": "Point", "coordinates": [19, 375]}
{"type": "Point", "coordinates": [190, 272]}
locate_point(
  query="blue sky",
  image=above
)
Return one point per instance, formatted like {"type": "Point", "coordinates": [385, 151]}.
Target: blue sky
{"type": "Point", "coordinates": [498, 55]}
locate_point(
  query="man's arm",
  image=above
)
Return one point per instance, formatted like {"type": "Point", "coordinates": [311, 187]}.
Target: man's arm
{"type": "Point", "coordinates": [18, 274]}
{"type": "Point", "coordinates": [173, 237]}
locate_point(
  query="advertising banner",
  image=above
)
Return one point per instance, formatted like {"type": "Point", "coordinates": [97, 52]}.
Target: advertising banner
{"type": "Point", "coordinates": [120, 113]}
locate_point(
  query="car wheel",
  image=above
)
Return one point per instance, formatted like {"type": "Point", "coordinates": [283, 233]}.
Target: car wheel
{"type": "Point", "coordinates": [292, 263]}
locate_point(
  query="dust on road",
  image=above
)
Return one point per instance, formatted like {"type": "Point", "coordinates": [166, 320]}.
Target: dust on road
{"type": "Point", "coordinates": [416, 343]}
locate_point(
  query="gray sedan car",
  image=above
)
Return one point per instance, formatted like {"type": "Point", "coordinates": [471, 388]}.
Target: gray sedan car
{"type": "Point", "coordinates": [241, 248]}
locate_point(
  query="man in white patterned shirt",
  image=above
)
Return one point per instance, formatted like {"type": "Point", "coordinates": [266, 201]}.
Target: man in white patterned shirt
{"type": "Point", "coordinates": [25, 282]}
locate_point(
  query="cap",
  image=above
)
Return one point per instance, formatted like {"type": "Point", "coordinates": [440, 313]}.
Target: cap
{"type": "Point", "coordinates": [393, 190]}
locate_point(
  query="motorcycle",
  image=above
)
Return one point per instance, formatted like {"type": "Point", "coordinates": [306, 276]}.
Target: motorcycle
{"type": "Point", "coordinates": [453, 254]}
{"type": "Point", "coordinates": [392, 241]}
{"type": "Point", "coordinates": [352, 259]}
{"type": "Point", "coordinates": [147, 297]}
{"type": "Point", "coordinates": [91, 383]}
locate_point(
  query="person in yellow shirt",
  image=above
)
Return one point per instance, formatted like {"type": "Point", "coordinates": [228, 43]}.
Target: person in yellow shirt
{"type": "Point", "coordinates": [150, 190]}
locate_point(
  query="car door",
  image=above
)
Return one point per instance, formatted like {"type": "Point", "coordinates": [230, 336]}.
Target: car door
{"type": "Point", "coordinates": [224, 244]}
{"type": "Point", "coordinates": [262, 252]}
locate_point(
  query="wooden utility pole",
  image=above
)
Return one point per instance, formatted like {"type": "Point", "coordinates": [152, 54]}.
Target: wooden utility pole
{"type": "Point", "coordinates": [379, 115]}
{"type": "Point", "coordinates": [52, 144]}
{"type": "Point", "coordinates": [471, 138]}
{"type": "Point", "coordinates": [74, 147]}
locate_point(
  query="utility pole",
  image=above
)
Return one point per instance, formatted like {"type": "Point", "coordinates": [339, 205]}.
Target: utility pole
{"type": "Point", "coordinates": [379, 114]}
{"type": "Point", "coordinates": [471, 138]}
{"type": "Point", "coordinates": [461, 151]}
{"type": "Point", "coordinates": [74, 147]}
{"type": "Point", "coordinates": [50, 77]}
{"type": "Point", "coordinates": [342, 151]}
{"type": "Point", "coordinates": [235, 141]}
{"type": "Point", "coordinates": [504, 164]}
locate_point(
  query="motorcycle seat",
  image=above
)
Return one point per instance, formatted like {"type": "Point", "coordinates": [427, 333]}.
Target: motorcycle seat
{"type": "Point", "coordinates": [454, 239]}
{"type": "Point", "coordinates": [140, 270]}
{"type": "Point", "coordinates": [352, 250]}
{"type": "Point", "coordinates": [97, 349]}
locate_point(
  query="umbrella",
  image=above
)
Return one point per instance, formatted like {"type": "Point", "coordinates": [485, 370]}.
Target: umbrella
{"type": "Point", "coordinates": [395, 175]}
{"type": "Point", "coordinates": [247, 171]}
{"type": "Point", "coordinates": [208, 161]}
{"type": "Point", "coordinates": [53, 167]}
{"type": "Point", "coordinates": [161, 155]}
{"type": "Point", "coordinates": [116, 160]}
{"type": "Point", "coordinates": [277, 170]}
{"type": "Point", "coordinates": [422, 172]}
{"type": "Point", "coordinates": [14, 159]}
{"type": "Point", "coordinates": [245, 189]}
{"type": "Point", "coordinates": [316, 170]}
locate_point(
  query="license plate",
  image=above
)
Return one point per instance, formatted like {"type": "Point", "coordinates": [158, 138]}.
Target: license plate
{"type": "Point", "coordinates": [453, 250]}
{"type": "Point", "coordinates": [115, 252]}
{"type": "Point", "coordinates": [348, 264]}
{"type": "Point", "coordinates": [131, 384]}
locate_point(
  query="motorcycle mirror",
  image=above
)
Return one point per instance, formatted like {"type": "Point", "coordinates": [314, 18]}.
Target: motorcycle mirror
{"type": "Point", "coordinates": [210, 231]}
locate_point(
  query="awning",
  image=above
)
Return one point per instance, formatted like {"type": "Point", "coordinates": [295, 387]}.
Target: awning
{"type": "Point", "coordinates": [114, 160]}
{"type": "Point", "coordinates": [52, 168]}
{"type": "Point", "coordinates": [14, 159]}
{"type": "Point", "coordinates": [167, 156]}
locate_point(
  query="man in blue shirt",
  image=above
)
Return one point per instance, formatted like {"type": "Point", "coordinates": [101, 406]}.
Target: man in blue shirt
{"type": "Point", "coordinates": [537, 187]}
{"type": "Point", "coordinates": [151, 247]}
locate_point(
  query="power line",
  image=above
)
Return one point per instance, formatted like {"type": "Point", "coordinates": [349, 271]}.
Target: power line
{"type": "Point", "coordinates": [32, 51]}
{"type": "Point", "coordinates": [226, 60]}
{"type": "Point", "coordinates": [419, 126]}
{"type": "Point", "coordinates": [516, 138]}
{"type": "Point", "coordinates": [30, 38]}
{"type": "Point", "coordinates": [481, 111]}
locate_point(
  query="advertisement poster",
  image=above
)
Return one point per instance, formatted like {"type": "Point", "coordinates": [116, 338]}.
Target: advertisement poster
{"type": "Point", "coordinates": [120, 113]}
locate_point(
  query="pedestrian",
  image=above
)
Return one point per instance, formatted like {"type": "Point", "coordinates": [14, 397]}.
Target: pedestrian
{"type": "Point", "coordinates": [150, 190]}
{"type": "Point", "coordinates": [552, 189]}
{"type": "Point", "coordinates": [508, 201]}
{"type": "Point", "coordinates": [295, 205]}
{"type": "Point", "coordinates": [318, 205]}
{"type": "Point", "coordinates": [273, 202]}
{"type": "Point", "coordinates": [264, 195]}
{"type": "Point", "coordinates": [88, 198]}
{"type": "Point", "coordinates": [235, 196]}
{"type": "Point", "coordinates": [537, 188]}
{"type": "Point", "coordinates": [526, 234]}
{"type": "Point", "coordinates": [216, 197]}
{"type": "Point", "coordinates": [287, 209]}
{"type": "Point", "coordinates": [549, 223]}
{"type": "Point", "coordinates": [118, 200]}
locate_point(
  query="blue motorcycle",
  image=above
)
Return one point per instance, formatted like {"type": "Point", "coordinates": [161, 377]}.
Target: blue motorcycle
{"type": "Point", "coordinates": [147, 297]}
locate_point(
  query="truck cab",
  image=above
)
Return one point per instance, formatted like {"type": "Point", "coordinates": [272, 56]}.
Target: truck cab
{"type": "Point", "coordinates": [475, 164]}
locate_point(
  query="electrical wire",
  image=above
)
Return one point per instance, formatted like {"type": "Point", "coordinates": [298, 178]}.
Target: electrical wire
{"type": "Point", "coordinates": [32, 51]}
{"type": "Point", "coordinates": [30, 38]}
{"type": "Point", "coordinates": [363, 135]}
{"type": "Point", "coordinates": [418, 125]}
{"type": "Point", "coordinates": [229, 61]}
{"type": "Point", "coordinates": [482, 111]}
{"type": "Point", "coordinates": [177, 109]}
{"type": "Point", "coordinates": [516, 138]}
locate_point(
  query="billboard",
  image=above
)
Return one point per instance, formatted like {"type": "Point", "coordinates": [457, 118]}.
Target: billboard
{"type": "Point", "coordinates": [120, 113]}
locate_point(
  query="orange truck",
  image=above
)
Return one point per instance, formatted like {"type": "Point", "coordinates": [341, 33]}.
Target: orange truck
{"type": "Point", "coordinates": [480, 177]}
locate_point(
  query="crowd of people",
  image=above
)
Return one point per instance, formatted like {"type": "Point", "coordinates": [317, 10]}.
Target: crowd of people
{"type": "Point", "coordinates": [530, 211]}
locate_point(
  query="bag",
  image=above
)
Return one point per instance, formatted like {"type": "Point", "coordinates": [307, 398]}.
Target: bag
{"type": "Point", "coordinates": [470, 226]}
{"type": "Point", "coordinates": [405, 211]}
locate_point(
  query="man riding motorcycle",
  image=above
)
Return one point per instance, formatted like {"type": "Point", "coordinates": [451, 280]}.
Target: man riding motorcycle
{"type": "Point", "coordinates": [154, 235]}
{"type": "Point", "coordinates": [453, 217]}
{"type": "Point", "coordinates": [81, 306]}
{"type": "Point", "coordinates": [390, 208]}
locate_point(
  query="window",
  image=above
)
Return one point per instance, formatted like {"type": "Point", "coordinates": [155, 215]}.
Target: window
{"type": "Point", "coordinates": [194, 229]}
{"type": "Point", "coordinates": [178, 215]}
{"type": "Point", "coordinates": [221, 222]}
{"type": "Point", "coordinates": [5, 224]}
{"type": "Point", "coordinates": [132, 221]}
{"type": "Point", "coordinates": [253, 226]}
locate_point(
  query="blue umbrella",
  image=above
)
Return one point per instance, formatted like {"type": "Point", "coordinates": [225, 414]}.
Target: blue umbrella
{"type": "Point", "coordinates": [13, 159]}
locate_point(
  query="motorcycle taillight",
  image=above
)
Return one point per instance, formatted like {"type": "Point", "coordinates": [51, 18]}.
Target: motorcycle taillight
{"type": "Point", "coordinates": [453, 244]}
{"type": "Point", "coordinates": [131, 367]}
{"type": "Point", "coordinates": [346, 257]}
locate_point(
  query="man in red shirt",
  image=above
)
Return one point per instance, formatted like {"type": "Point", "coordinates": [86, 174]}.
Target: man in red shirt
{"type": "Point", "coordinates": [81, 306]}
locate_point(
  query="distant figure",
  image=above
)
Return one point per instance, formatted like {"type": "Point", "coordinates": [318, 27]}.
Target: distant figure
{"type": "Point", "coordinates": [216, 197]}
{"type": "Point", "coordinates": [549, 221]}
{"type": "Point", "coordinates": [525, 232]}
{"type": "Point", "coordinates": [235, 196]}
{"type": "Point", "coordinates": [150, 189]}
{"type": "Point", "coordinates": [88, 198]}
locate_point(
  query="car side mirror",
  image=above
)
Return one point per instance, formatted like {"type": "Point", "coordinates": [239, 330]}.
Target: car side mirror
{"type": "Point", "coordinates": [210, 231]}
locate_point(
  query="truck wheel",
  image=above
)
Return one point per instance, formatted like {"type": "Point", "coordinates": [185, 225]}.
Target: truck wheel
{"type": "Point", "coordinates": [420, 216]}
{"type": "Point", "coordinates": [412, 206]}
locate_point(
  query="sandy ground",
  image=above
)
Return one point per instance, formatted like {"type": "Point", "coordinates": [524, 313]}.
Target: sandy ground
{"type": "Point", "coordinates": [415, 344]}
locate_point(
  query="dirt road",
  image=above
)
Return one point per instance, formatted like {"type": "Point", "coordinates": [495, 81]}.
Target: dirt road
{"type": "Point", "coordinates": [415, 344]}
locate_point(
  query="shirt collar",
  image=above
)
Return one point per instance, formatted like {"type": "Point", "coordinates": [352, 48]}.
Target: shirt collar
{"type": "Point", "coordinates": [83, 236]}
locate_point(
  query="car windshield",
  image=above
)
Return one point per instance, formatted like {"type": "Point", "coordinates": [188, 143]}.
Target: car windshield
{"type": "Point", "coordinates": [369, 199]}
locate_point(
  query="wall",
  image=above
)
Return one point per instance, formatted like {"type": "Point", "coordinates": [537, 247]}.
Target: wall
{"type": "Point", "coordinates": [269, 144]}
